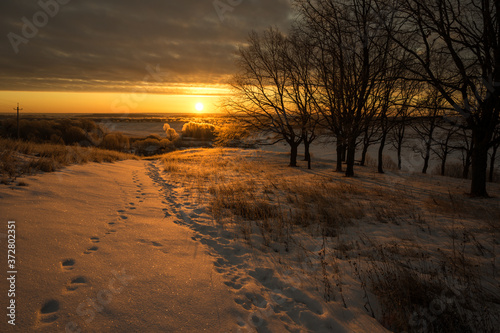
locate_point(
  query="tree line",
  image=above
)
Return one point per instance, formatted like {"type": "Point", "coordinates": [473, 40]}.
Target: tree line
{"type": "Point", "coordinates": [359, 70]}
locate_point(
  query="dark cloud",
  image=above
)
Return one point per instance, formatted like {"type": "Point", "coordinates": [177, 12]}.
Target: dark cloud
{"type": "Point", "coordinates": [106, 45]}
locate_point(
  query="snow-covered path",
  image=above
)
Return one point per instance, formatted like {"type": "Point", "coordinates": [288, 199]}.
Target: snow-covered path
{"type": "Point", "coordinates": [97, 251]}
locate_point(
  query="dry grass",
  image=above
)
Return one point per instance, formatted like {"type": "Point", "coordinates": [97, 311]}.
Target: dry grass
{"type": "Point", "coordinates": [243, 185]}
{"type": "Point", "coordinates": [387, 163]}
{"type": "Point", "coordinates": [443, 293]}
{"type": "Point", "coordinates": [410, 277]}
{"type": "Point", "coordinates": [20, 157]}
{"type": "Point", "coordinates": [456, 170]}
{"type": "Point", "coordinates": [465, 208]}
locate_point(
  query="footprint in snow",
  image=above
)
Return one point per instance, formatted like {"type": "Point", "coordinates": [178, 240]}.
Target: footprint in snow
{"type": "Point", "coordinates": [68, 264]}
{"type": "Point", "coordinates": [245, 303]}
{"type": "Point", "coordinates": [91, 250]}
{"type": "Point", "coordinates": [76, 282]}
{"type": "Point", "coordinates": [48, 312]}
{"type": "Point", "coordinates": [154, 244]}
{"type": "Point", "coordinates": [256, 299]}
{"type": "Point", "coordinates": [233, 284]}
{"type": "Point", "coordinates": [199, 211]}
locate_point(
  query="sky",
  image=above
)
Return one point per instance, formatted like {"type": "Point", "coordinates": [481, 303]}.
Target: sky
{"type": "Point", "coordinates": [119, 56]}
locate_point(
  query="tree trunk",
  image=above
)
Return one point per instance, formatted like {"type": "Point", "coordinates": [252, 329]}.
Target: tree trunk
{"type": "Point", "coordinates": [427, 157]}
{"type": "Point", "coordinates": [363, 153]}
{"type": "Point", "coordinates": [381, 153]}
{"type": "Point", "coordinates": [344, 153]}
{"type": "Point", "coordinates": [293, 154]}
{"type": "Point", "coordinates": [366, 145]}
{"type": "Point", "coordinates": [401, 135]}
{"type": "Point", "coordinates": [400, 164]}
{"type": "Point", "coordinates": [443, 163]}
{"type": "Point", "coordinates": [340, 148]}
{"type": "Point", "coordinates": [480, 141]}
{"type": "Point", "coordinates": [467, 164]}
{"type": "Point", "coordinates": [479, 166]}
{"type": "Point", "coordinates": [492, 163]}
{"type": "Point", "coordinates": [351, 155]}
{"type": "Point", "coordinates": [307, 154]}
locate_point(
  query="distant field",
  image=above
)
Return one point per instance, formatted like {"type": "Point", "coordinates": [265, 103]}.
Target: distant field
{"type": "Point", "coordinates": [412, 161]}
{"type": "Point", "coordinates": [141, 128]}
{"type": "Point", "coordinates": [142, 125]}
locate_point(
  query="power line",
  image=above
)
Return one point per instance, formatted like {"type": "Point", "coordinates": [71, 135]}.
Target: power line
{"type": "Point", "coordinates": [18, 133]}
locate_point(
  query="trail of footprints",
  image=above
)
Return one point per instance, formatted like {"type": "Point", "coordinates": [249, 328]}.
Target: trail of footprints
{"type": "Point", "coordinates": [48, 312]}
{"type": "Point", "coordinates": [230, 270]}
{"type": "Point", "coordinates": [139, 192]}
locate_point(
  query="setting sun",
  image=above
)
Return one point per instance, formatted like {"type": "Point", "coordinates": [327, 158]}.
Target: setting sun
{"type": "Point", "coordinates": [199, 107]}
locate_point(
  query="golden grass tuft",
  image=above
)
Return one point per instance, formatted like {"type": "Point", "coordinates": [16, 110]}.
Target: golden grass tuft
{"type": "Point", "coordinates": [21, 157]}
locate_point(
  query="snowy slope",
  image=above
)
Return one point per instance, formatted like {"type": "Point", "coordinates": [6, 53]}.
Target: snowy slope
{"type": "Point", "coordinates": [129, 247]}
{"type": "Point", "coordinates": [96, 252]}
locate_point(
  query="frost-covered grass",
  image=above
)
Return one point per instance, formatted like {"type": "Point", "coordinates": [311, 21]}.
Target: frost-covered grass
{"type": "Point", "coordinates": [23, 157]}
{"type": "Point", "coordinates": [411, 250]}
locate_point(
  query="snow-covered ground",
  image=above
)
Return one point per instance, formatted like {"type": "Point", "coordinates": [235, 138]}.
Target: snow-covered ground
{"type": "Point", "coordinates": [129, 247]}
{"type": "Point", "coordinates": [96, 252]}
{"type": "Point", "coordinates": [400, 225]}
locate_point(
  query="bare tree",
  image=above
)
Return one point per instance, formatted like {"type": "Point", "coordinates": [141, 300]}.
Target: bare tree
{"type": "Point", "coordinates": [259, 90]}
{"type": "Point", "coordinates": [466, 147]}
{"type": "Point", "coordinates": [444, 142]}
{"type": "Point", "coordinates": [425, 122]}
{"type": "Point", "coordinates": [493, 156]}
{"type": "Point", "coordinates": [371, 136]}
{"type": "Point", "coordinates": [399, 134]}
{"type": "Point", "coordinates": [455, 45]}
{"type": "Point", "coordinates": [408, 91]}
{"type": "Point", "coordinates": [302, 87]}
{"type": "Point", "coordinates": [352, 55]}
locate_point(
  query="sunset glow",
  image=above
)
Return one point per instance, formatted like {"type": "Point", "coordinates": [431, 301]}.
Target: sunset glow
{"type": "Point", "coordinates": [105, 102]}
{"type": "Point", "coordinates": [199, 107]}
{"type": "Point", "coordinates": [86, 56]}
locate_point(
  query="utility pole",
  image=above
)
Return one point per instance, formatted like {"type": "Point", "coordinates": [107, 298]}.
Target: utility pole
{"type": "Point", "coordinates": [18, 132]}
